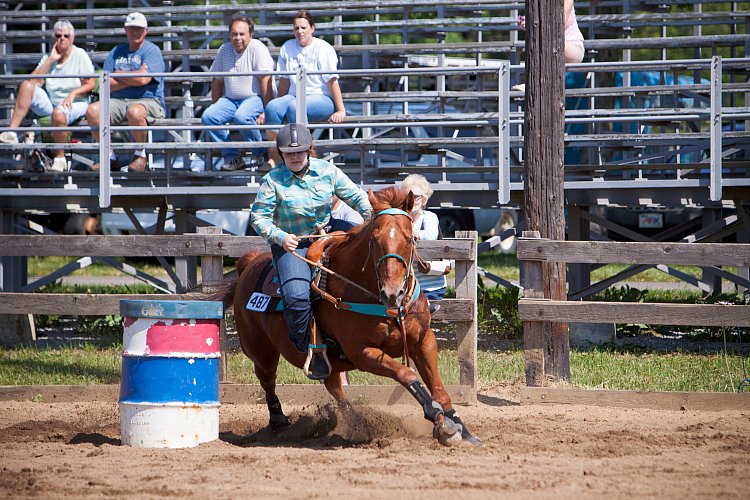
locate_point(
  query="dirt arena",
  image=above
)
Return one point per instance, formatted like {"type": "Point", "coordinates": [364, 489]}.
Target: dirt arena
{"type": "Point", "coordinates": [72, 450]}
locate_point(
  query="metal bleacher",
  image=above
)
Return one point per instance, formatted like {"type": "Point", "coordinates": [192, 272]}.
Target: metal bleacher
{"type": "Point", "coordinates": [656, 116]}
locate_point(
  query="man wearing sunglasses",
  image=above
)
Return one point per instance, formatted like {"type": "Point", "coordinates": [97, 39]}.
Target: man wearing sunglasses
{"type": "Point", "coordinates": [138, 100]}
{"type": "Point", "coordinates": [65, 100]}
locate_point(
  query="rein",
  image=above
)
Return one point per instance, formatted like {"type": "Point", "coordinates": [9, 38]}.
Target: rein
{"type": "Point", "coordinates": [410, 281]}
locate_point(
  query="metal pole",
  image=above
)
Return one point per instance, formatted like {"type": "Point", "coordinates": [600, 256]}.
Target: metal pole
{"type": "Point", "coordinates": [105, 196]}
{"type": "Point", "coordinates": [715, 185]}
{"type": "Point", "coordinates": [503, 133]}
{"type": "Point", "coordinates": [302, 96]}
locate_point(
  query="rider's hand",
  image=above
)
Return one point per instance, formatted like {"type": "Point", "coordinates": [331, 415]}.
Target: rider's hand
{"type": "Point", "coordinates": [290, 243]}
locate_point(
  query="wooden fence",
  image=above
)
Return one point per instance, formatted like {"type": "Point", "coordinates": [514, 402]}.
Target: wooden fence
{"type": "Point", "coordinates": [212, 248]}
{"type": "Point", "coordinates": [534, 309]}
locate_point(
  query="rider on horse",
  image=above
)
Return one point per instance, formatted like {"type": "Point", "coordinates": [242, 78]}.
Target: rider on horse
{"type": "Point", "coordinates": [294, 200]}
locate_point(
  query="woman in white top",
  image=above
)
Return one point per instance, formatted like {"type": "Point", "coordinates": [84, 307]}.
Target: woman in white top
{"type": "Point", "coordinates": [65, 100]}
{"type": "Point", "coordinates": [322, 91]}
{"type": "Point", "coordinates": [426, 227]}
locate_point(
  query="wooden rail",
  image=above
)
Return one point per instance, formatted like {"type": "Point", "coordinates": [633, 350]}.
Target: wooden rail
{"type": "Point", "coordinates": [212, 248]}
{"type": "Point", "coordinates": [534, 309]}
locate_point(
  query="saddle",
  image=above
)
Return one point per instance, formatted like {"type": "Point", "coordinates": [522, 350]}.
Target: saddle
{"type": "Point", "coordinates": [266, 298]}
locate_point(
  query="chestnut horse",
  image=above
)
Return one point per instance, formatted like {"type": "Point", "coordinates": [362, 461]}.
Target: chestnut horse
{"type": "Point", "coordinates": [371, 263]}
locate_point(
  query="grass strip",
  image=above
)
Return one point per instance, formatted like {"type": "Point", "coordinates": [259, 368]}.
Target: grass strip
{"type": "Point", "coordinates": [605, 368]}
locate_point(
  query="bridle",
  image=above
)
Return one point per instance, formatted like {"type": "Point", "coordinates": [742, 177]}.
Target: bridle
{"type": "Point", "coordinates": [400, 258]}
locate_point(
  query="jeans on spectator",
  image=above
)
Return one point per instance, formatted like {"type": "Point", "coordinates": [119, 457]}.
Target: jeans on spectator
{"type": "Point", "coordinates": [436, 294]}
{"type": "Point", "coordinates": [295, 277]}
{"type": "Point", "coordinates": [284, 109]}
{"type": "Point", "coordinates": [339, 225]}
{"type": "Point", "coordinates": [240, 111]}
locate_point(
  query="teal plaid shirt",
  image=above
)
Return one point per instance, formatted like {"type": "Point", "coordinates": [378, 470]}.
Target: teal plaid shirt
{"type": "Point", "coordinates": [286, 204]}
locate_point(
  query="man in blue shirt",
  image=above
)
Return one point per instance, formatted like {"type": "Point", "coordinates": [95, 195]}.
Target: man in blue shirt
{"type": "Point", "coordinates": [139, 100]}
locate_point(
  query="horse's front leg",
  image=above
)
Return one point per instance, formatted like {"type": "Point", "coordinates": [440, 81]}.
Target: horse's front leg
{"type": "Point", "coordinates": [426, 360]}
{"type": "Point", "coordinates": [374, 360]}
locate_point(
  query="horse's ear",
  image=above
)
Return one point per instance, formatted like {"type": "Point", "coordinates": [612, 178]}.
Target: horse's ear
{"type": "Point", "coordinates": [409, 202]}
{"type": "Point", "coordinates": [374, 200]}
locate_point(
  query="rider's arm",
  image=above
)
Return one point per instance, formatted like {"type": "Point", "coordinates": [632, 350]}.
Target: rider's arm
{"type": "Point", "coordinates": [351, 194]}
{"type": "Point", "coordinates": [261, 214]}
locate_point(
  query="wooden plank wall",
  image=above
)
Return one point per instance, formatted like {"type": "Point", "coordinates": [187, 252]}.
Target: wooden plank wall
{"type": "Point", "coordinates": [534, 308]}
{"type": "Point", "coordinates": [212, 247]}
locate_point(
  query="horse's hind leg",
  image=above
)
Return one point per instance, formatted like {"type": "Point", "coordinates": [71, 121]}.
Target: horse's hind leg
{"type": "Point", "coordinates": [265, 369]}
{"type": "Point", "coordinates": [333, 384]}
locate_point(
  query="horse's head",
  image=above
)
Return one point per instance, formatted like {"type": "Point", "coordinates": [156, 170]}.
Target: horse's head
{"type": "Point", "coordinates": [392, 243]}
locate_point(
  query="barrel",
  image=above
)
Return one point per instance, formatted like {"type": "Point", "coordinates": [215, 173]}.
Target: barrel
{"type": "Point", "coordinates": [169, 391]}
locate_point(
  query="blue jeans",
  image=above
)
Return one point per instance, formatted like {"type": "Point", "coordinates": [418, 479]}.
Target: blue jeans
{"type": "Point", "coordinates": [284, 109]}
{"type": "Point", "coordinates": [240, 111]}
{"type": "Point", "coordinates": [436, 294]}
{"type": "Point", "coordinates": [295, 277]}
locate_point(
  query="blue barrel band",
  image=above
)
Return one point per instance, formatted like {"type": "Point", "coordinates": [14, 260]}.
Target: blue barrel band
{"type": "Point", "coordinates": [171, 405]}
{"type": "Point", "coordinates": [169, 380]}
{"type": "Point", "coordinates": [172, 309]}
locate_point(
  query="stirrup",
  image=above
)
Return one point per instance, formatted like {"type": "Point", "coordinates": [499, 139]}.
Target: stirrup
{"type": "Point", "coordinates": [310, 353]}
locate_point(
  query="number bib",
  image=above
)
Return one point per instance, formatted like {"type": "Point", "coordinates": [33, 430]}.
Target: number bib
{"type": "Point", "coordinates": [260, 302]}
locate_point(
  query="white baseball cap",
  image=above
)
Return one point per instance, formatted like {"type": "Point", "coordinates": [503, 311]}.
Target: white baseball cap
{"type": "Point", "coordinates": [136, 19]}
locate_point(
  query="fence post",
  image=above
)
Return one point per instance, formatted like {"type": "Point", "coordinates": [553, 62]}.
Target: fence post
{"type": "Point", "coordinates": [534, 342]}
{"type": "Point", "coordinates": [212, 274]}
{"type": "Point", "coordinates": [466, 331]}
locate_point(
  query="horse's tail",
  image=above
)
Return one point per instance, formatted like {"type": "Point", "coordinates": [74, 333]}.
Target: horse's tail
{"type": "Point", "coordinates": [246, 259]}
{"type": "Point", "coordinates": [222, 292]}
{"type": "Point", "coordinates": [225, 291]}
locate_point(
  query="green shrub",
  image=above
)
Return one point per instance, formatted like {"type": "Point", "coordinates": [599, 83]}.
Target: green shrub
{"type": "Point", "coordinates": [497, 311]}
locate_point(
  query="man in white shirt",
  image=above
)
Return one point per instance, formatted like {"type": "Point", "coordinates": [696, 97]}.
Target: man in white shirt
{"type": "Point", "coordinates": [239, 99]}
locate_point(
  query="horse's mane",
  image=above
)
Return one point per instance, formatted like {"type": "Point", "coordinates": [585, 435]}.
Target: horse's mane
{"type": "Point", "coordinates": [391, 197]}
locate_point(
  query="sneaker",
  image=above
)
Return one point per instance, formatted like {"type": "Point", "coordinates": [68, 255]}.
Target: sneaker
{"type": "Point", "coordinates": [114, 166]}
{"type": "Point", "coordinates": [59, 164]}
{"type": "Point", "coordinates": [9, 137]}
{"type": "Point", "coordinates": [139, 164]}
{"type": "Point", "coordinates": [267, 165]}
{"type": "Point", "coordinates": [233, 164]}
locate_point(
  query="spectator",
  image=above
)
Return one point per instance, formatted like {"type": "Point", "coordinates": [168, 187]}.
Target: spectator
{"type": "Point", "coordinates": [343, 217]}
{"type": "Point", "coordinates": [574, 50]}
{"type": "Point", "coordinates": [140, 100]}
{"type": "Point", "coordinates": [427, 227]}
{"type": "Point", "coordinates": [323, 94]}
{"type": "Point", "coordinates": [293, 200]}
{"type": "Point", "coordinates": [63, 99]}
{"type": "Point", "coordinates": [238, 98]}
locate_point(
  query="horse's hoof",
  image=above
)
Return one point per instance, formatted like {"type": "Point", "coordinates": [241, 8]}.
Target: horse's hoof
{"type": "Point", "coordinates": [278, 422]}
{"type": "Point", "coordinates": [447, 432]}
{"type": "Point", "coordinates": [473, 440]}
